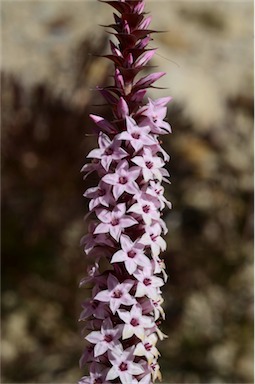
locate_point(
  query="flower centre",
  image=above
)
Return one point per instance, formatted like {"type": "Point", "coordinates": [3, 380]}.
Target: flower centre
{"type": "Point", "coordinates": [131, 254]}
{"type": "Point", "coordinates": [147, 346]}
{"type": "Point", "coordinates": [149, 164]}
{"type": "Point", "coordinates": [117, 294]}
{"type": "Point", "coordinates": [123, 367]}
{"type": "Point", "coordinates": [101, 192]}
{"type": "Point", "coordinates": [146, 208]}
{"type": "Point", "coordinates": [136, 135]}
{"type": "Point", "coordinates": [123, 180]}
{"type": "Point", "coordinates": [134, 322]}
{"type": "Point", "coordinates": [108, 151]}
{"type": "Point", "coordinates": [115, 221]}
{"type": "Point", "coordinates": [154, 237]}
{"type": "Point", "coordinates": [108, 338]}
{"type": "Point", "coordinates": [155, 118]}
{"type": "Point", "coordinates": [147, 281]}
{"type": "Point", "coordinates": [98, 381]}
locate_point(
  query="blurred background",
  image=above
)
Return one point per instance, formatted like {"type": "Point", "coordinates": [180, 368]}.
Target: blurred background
{"type": "Point", "coordinates": [48, 72]}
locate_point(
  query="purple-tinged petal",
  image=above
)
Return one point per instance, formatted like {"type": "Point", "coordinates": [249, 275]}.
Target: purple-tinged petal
{"type": "Point", "coordinates": [101, 228]}
{"type": "Point", "coordinates": [118, 256]}
{"type": "Point", "coordinates": [95, 154]}
{"type": "Point", "coordinates": [110, 178]}
{"type": "Point", "coordinates": [112, 373]}
{"type": "Point", "coordinates": [100, 348]}
{"type": "Point", "coordinates": [103, 296]}
{"type": "Point", "coordinates": [115, 232]}
{"type": "Point", "coordinates": [128, 221]}
{"type": "Point", "coordinates": [94, 337]}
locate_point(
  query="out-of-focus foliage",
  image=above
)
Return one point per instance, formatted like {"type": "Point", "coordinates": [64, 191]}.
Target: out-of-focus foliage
{"type": "Point", "coordinates": [208, 299]}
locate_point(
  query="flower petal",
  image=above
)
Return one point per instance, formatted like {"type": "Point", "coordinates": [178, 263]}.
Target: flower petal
{"type": "Point", "coordinates": [103, 296]}
{"type": "Point", "coordinates": [112, 373]}
{"type": "Point", "coordinates": [100, 348]}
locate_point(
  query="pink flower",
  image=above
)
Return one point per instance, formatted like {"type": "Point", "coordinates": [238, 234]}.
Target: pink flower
{"type": "Point", "coordinates": [146, 207]}
{"type": "Point", "coordinates": [105, 339]}
{"type": "Point", "coordinates": [108, 151]}
{"type": "Point", "coordinates": [99, 195]}
{"type": "Point", "coordinates": [157, 308]}
{"type": "Point", "coordinates": [137, 136]}
{"type": "Point", "coordinates": [131, 253]}
{"type": "Point", "coordinates": [123, 180]}
{"type": "Point", "coordinates": [148, 284]}
{"type": "Point", "coordinates": [114, 221]}
{"type": "Point", "coordinates": [135, 322]}
{"type": "Point", "coordinates": [155, 370]}
{"type": "Point", "coordinates": [147, 348]}
{"type": "Point", "coordinates": [152, 239]}
{"type": "Point", "coordinates": [155, 112]}
{"type": "Point", "coordinates": [150, 165]}
{"type": "Point", "coordinates": [117, 293]}
{"type": "Point", "coordinates": [155, 189]}
{"type": "Point", "coordinates": [123, 365]}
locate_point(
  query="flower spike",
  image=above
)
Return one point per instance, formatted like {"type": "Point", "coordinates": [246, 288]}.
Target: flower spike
{"type": "Point", "coordinates": [125, 309]}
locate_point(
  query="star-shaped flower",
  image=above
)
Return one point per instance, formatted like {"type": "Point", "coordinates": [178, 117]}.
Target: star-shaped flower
{"type": "Point", "coordinates": [148, 284]}
{"type": "Point", "coordinates": [159, 267]}
{"type": "Point", "coordinates": [135, 322]}
{"type": "Point", "coordinates": [131, 253]}
{"type": "Point", "coordinates": [99, 195]}
{"type": "Point", "coordinates": [157, 308]}
{"type": "Point", "coordinates": [155, 370]}
{"type": "Point", "coordinates": [123, 180]}
{"type": "Point", "coordinates": [151, 165]}
{"type": "Point", "coordinates": [146, 207]}
{"type": "Point", "coordinates": [152, 238]}
{"type": "Point", "coordinates": [114, 221]}
{"type": "Point", "coordinates": [108, 151]}
{"type": "Point", "coordinates": [155, 112]}
{"type": "Point", "coordinates": [157, 190]}
{"type": "Point", "coordinates": [123, 365]}
{"type": "Point", "coordinates": [116, 294]}
{"type": "Point", "coordinates": [137, 136]}
{"type": "Point", "coordinates": [147, 348]}
{"type": "Point", "coordinates": [105, 339]}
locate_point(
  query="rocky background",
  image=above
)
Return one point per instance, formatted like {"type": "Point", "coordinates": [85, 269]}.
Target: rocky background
{"type": "Point", "coordinates": [49, 70]}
